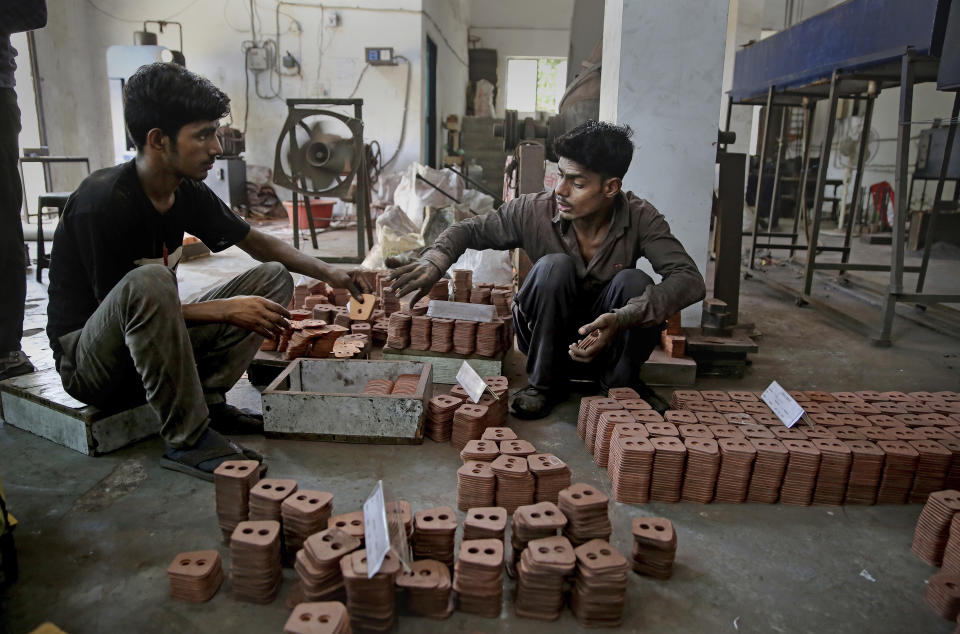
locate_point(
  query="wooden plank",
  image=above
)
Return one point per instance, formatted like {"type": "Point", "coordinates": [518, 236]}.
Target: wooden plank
{"type": "Point", "coordinates": [441, 309]}
{"type": "Point", "coordinates": [662, 370]}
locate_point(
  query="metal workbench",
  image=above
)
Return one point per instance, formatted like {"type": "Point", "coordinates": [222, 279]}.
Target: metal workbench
{"type": "Point", "coordinates": [854, 50]}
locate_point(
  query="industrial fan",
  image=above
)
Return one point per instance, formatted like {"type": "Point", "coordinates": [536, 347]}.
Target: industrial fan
{"type": "Point", "coordinates": [319, 153]}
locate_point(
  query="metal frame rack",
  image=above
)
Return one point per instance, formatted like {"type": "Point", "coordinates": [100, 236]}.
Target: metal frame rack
{"type": "Point", "coordinates": [853, 51]}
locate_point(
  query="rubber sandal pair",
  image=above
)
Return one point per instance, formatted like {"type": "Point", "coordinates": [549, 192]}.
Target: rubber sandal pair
{"type": "Point", "coordinates": [208, 453]}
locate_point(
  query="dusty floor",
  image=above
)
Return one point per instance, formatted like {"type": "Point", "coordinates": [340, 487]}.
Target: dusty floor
{"type": "Point", "coordinates": [96, 534]}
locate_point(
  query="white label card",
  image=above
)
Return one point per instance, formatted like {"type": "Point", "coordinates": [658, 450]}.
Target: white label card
{"type": "Point", "coordinates": [468, 378]}
{"type": "Point", "coordinates": [782, 404]}
{"type": "Point", "coordinates": [375, 531]}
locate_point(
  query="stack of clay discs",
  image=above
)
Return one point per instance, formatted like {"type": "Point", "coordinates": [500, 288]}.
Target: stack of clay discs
{"type": "Point", "coordinates": [654, 546]}
{"type": "Point", "coordinates": [737, 456]}
{"type": "Point", "coordinates": [361, 328]}
{"type": "Point", "coordinates": [485, 522]}
{"type": "Point", "coordinates": [768, 470]}
{"type": "Point", "coordinates": [663, 428]}
{"type": "Point", "coordinates": [371, 602]}
{"type": "Point", "coordinates": [898, 469]}
{"type": "Point", "coordinates": [420, 308]}
{"type": "Point", "coordinates": [680, 398]}
{"type": "Point", "coordinates": [341, 296]}
{"type": "Point", "coordinates": [630, 468]}
{"type": "Point", "coordinates": [669, 457]}
{"type": "Point", "coordinates": [599, 585]}
{"type": "Point", "coordinates": [932, 468]}
{"type": "Point", "coordinates": [488, 338]}
{"type": "Point", "coordinates": [462, 285]}
{"type": "Point", "coordinates": [621, 393]}
{"type": "Point", "coordinates": [516, 447]}
{"type": "Point", "coordinates": [480, 295]}
{"type": "Point", "coordinates": [406, 385]}
{"type": "Point", "coordinates": [866, 469]}
{"type": "Point", "coordinates": [953, 474]}
{"type": "Point", "coordinates": [848, 432]}
{"type": "Point", "coordinates": [434, 531]}
{"type": "Point", "coordinates": [498, 434]}
{"type": "Point", "coordinates": [420, 337]}
{"type": "Point", "coordinates": [694, 430]}
{"type": "Point", "coordinates": [400, 511]}
{"type": "Point", "coordinates": [585, 508]}
{"type": "Point", "coordinates": [478, 577]}
{"type": "Point", "coordinates": [328, 617]}
{"type": "Point", "coordinates": [349, 523]}
{"type": "Point", "coordinates": [380, 331]}
{"type": "Point", "coordinates": [389, 302]}
{"type": "Point", "coordinates": [476, 485]}
{"type": "Point", "coordinates": [440, 290]}
{"type": "Point", "coordinates": [799, 479]}
{"type": "Point", "coordinates": [255, 566]}
{"type": "Point", "coordinates": [933, 526]}
{"type": "Point", "coordinates": [543, 567]}
{"type": "Point", "coordinates": [398, 331]}
{"type": "Point", "coordinates": [515, 484]}
{"type": "Point", "coordinates": [469, 421]}
{"type": "Point", "coordinates": [943, 594]}
{"type": "Point", "coordinates": [342, 317]}
{"type": "Point", "coordinates": [233, 480]}
{"type": "Point", "coordinates": [464, 336]}
{"type": "Point", "coordinates": [497, 384]}
{"type": "Point", "coordinates": [583, 413]}
{"type": "Point", "coordinates": [835, 461]}
{"type": "Point", "coordinates": [267, 495]}
{"type": "Point", "coordinates": [324, 312]}
{"type": "Point", "coordinates": [501, 301]}
{"type": "Point", "coordinates": [680, 417]}
{"type": "Point", "coordinates": [757, 431]}
{"type": "Point", "coordinates": [594, 409]}
{"type": "Point", "coordinates": [378, 387]}
{"type": "Point", "coordinates": [951, 553]}
{"type": "Point", "coordinates": [440, 411]}
{"type": "Point", "coordinates": [428, 589]}
{"type": "Point", "coordinates": [480, 450]}
{"type": "Point", "coordinates": [604, 431]}
{"type": "Point", "coordinates": [304, 513]}
{"type": "Point", "coordinates": [728, 431]}
{"type": "Point", "coordinates": [534, 521]}
{"type": "Point", "coordinates": [552, 475]}
{"type": "Point", "coordinates": [441, 335]}
{"type": "Point", "coordinates": [318, 564]}
{"type": "Point", "coordinates": [195, 576]}
{"type": "Point", "coordinates": [498, 409]}
{"type": "Point", "coordinates": [703, 464]}
{"type": "Point", "coordinates": [789, 433]}
{"type": "Point", "coordinates": [626, 429]}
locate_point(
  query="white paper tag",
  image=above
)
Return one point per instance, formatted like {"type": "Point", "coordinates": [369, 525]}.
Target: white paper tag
{"type": "Point", "coordinates": [468, 378]}
{"type": "Point", "coordinates": [375, 531]}
{"type": "Point", "coordinates": [782, 404]}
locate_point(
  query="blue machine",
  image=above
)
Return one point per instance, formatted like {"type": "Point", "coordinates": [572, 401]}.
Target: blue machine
{"type": "Point", "coordinates": [856, 35]}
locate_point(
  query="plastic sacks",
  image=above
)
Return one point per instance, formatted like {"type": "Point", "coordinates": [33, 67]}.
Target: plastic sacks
{"type": "Point", "coordinates": [412, 195]}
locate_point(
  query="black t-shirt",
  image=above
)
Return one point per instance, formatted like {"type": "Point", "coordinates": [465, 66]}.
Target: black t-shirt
{"type": "Point", "coordinates": [109, 227]}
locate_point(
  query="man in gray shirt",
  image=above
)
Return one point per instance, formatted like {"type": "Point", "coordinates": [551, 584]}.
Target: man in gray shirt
{"type": "Point", "coordinates": [584, 239]}
{"type": "Point", "coordinates": [15, 16]}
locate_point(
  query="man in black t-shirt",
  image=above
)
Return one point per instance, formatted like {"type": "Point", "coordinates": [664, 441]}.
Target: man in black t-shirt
{"type": "Point", "coordinates": [116, 324]}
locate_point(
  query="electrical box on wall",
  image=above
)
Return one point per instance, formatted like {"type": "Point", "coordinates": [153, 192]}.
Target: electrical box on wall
{"type": "Point", "coordinates": [380, 56]}
{"type": "Point", "coordinates": [257, 58]}
{"type": "Point", "coordinates": [333, 19]}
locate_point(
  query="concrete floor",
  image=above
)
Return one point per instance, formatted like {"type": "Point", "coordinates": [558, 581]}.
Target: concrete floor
{"type": "Point", "coordinates": [97, 534]}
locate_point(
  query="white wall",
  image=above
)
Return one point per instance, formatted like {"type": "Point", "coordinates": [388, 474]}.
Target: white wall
{"type": "Point", "coordinates": [586, 30]}
{"type": "Point", "coordinates": [670, 95]}
{"type": "Point", "coordinates": [744, 21]}
{"type": "Point", "coordinates": [71, 53]}
{"type": "Point", "coordinates": [532, 28]}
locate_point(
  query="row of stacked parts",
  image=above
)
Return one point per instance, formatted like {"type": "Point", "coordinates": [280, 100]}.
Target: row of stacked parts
{"type": "Point", "coordinates": [863, 447]}
{"type": "Point", "coordinates": [936, 540]}
{"type": "Point", "coordinates": [560, 555]}
{"type": "Point", "coordinates": [349, 334]}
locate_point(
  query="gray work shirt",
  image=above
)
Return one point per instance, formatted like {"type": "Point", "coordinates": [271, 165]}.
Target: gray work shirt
{"type": "Point", "coordinates": [637, 230]}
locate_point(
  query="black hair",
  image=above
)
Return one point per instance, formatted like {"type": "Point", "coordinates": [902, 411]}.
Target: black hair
{"type": "Point", "coordinates": [599, 146]}
{"type": "Point", "coordinates": [168, 96]}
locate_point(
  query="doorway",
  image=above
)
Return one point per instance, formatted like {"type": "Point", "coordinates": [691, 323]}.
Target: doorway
{"type": "Point", "coordinates": [430, 136]}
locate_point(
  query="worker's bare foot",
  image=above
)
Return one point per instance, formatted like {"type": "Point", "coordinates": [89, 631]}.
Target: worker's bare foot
{"type": "Point", "coordinates": [15, 363]}
{"type": "Point", "coordinates": [202, 459]}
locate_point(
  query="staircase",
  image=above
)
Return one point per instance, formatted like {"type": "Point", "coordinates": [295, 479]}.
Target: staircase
{"type": "Point", "coordinates": [478, 143]}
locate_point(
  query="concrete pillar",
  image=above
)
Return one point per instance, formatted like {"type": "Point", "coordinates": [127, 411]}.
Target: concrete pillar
{"type": "Point", "coordinates": [662, 70]}
{"type": "Point", "coordinates": [744, 23]}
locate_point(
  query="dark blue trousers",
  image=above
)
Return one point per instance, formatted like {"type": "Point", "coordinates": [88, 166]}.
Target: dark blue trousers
{"type": "Point", "coordinates": [551, 307]}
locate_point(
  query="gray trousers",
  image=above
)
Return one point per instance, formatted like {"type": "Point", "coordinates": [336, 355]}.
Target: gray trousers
{"type": "Point", "coordinates": [552, 306]}
{"type": "Point", "coordinates": [137, 346]}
